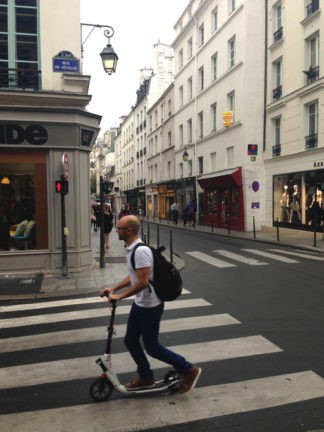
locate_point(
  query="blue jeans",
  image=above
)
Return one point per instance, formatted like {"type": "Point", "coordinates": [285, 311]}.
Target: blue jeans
{"type": "Point", "coordinates": [145, 322]}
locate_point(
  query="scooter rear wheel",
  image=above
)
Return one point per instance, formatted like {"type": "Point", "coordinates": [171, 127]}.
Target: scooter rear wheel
{"type": "Point", "coordinates": [101, 389]}
{"type": "Point", "coordinates": [174, 380]}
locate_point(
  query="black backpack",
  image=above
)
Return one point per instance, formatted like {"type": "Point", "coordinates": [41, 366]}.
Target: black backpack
{"type": "Point", "coordinates": [167, 281]}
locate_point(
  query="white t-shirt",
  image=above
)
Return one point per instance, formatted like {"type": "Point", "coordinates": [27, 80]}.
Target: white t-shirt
{"type": "Point", "coordinates": [143, 258]}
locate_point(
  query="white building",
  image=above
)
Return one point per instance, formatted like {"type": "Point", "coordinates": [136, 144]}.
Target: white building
{"type": "Point", "coordinates": [219, 68]}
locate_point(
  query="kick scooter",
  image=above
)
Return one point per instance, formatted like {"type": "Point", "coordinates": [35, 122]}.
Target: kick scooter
{"type": "Point", "coordinates": [102, 387]}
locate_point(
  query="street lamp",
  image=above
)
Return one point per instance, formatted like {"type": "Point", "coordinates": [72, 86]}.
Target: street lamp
{"type": "Point", "coordinates": [185, 156]}
{"type": "Point", "coordinates": [108, 56]}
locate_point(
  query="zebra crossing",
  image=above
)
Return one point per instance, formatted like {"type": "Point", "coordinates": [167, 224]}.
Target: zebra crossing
{"type": "Point", "coordinates": [71, 323]}
{"type": "Point", "coordinates": [247, 256]}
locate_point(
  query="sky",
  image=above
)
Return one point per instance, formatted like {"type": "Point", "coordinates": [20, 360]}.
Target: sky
{"type": "Point", "coordinates": [138, 25]}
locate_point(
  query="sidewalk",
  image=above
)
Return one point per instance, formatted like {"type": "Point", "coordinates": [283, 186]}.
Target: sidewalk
{"type": "Point", "coordinates": [93, 279]}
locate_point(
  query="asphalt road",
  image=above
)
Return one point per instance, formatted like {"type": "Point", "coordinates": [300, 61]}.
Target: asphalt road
{"type": "Point", "coordinates": [251, 316]}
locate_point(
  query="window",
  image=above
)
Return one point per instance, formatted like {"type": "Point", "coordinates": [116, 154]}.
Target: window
{"type": "Point", "coordinates": [231, 51]}
{"type": "Point", "coordinates": [201, 124]}
{"type": "Point", "coordinates": [189, 125]}
{"type": "Point", "coordinates": [214, 19]}
{"type": "Point", "coordinates": [181, 169]}
{"type": "Point", "coordinates": [169, 107]}
{"type": "Point", "coordinates": [231, 103]}
{"type": "Point", "coordinates": [181, 135]}
{"type": "Point", "coordinates": [189, 168]}
{"type": "Point", "coordinates": [180, 59]}
{"type": "Point", "coordinates": [312, 67]}
{"type": "Point", "coordinates": [169, 139]}
{"type": "Point", "coordinates": [213, 161]}
{"type": "Point", "coordinates": [23, 192]}
{"type": "Point", "coordinates": [311, 7]}
{"type": "Point", "coordinates": [180, 96]}
{"type": "Point", "coordinates": [200, 165]}
{"type": "Point", "coordinates": [201, 78]}
{"type": "Point", "coordinates": [213, 112]}
{"type": "Point", "coordinates": [214, 67]}
{"type": "Point", "coordinates": [311, 139]}
{"type": "Point", "coordinates": [189, 48]}
{"type": "Point", "coordinates": [231, 6]}
{"type": "Point", "coordinates": [230, 157]}
{"type": "Point", "coordinates": [19, 45]}
{"type": "Point", "coordinates": [276, 148]}
{"type": "Point", "coordinates": [278, 30]}
{"type": "Point", "coordinates": [190, 88]}
{"type": "Point", "coordinates": [277, 72]}
{"type": "Point", "coordinates": [201, 35]}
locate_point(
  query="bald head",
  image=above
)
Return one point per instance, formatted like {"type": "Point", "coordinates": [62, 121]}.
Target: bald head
{"type": "Point", "coordinates": [132, 222]}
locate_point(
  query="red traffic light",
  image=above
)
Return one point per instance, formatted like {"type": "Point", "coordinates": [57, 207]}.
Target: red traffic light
{"type": "Point", "coordinates": [58, 186]}
{"type": "Point", "coordinates": [61, 186]}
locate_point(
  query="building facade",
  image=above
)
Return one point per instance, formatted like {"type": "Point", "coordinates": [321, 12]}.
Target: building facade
{"type": "Point", "coordinates": [294, 153]}
{"type": "Point", "coordinates": [45, 133]}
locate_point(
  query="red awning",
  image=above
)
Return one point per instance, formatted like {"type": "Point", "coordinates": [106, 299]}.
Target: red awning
{"type": "Point", "coordinates": [226, 178]}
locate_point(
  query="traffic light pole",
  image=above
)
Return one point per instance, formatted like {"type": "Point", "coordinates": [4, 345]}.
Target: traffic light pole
{"type": "Point", "coordinates": [63, 222]}
{"type": "Point", "coordinates": [102, 225]}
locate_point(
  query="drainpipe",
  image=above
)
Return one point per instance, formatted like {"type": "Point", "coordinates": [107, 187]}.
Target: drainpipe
{"type": "Point", "coordinates": [265, 74]}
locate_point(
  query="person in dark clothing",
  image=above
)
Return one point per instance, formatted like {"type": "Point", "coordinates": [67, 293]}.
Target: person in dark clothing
{"type": "Point", "coordinates": [108, 223]}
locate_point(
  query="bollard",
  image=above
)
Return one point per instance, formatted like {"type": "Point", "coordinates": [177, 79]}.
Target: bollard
{"type": "Point", "coordinates": [158, 235]}
{"type": "Point", "coordinates": [277, 224]}
{"type": "Point", "coordinates": [254, 236]}
{"type": "Point", "coordinates": [171, 248]}
{"type": "Point", "coordinates": [148, 233]}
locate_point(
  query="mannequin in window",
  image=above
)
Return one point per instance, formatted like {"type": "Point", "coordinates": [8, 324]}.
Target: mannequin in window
{"type": "Point", "coordinates": [295, 215]}
{"type": "Point", "coordinates": [310, 201]}
{"type": "Point", "coordinates": [284, 206]}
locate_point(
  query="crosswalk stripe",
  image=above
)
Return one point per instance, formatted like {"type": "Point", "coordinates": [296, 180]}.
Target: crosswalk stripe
{"type": "Point", "coordinates": [100, 333]}
{"type": "Point", "coordinates": [299, 254]}
{"type": "Point", "coordinates": [272, 256]}
{"type": "Point", "coordinates": [57, 303]}
{"type": "Point", "coordinates": [210, 260]}
{"type": "Point", "coordinates": [91, 313]}
{"type": "Point", "coordinates": [201, 403]}
{"type": "Point", "coordinates": [84, 367]}
{"type": "Point", "coordinates": [239, 258]}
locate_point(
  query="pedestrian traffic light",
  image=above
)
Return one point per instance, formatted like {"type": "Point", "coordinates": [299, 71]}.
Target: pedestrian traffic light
{"type": "Point", "coordinates": [61, 186]}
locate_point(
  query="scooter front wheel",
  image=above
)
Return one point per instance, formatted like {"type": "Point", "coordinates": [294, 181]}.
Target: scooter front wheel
{"type": "Point", "coordinates": [101, 389]}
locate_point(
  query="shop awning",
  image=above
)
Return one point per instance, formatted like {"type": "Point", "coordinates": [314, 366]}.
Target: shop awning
{"type": "Point", "coordinates": [226, 178]}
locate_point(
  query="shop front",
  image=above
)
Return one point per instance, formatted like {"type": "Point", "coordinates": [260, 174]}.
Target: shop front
{"type": "Point", "coordinates": [36, 148]}
{"type": "Point", "coordinates": [185, 193]}
{"type": "Point", "coordinates": [298, 200]}
{"type": "Point", "coordinates": [167, 197]}
{"type": "Point", "coordinates": [222, 203]}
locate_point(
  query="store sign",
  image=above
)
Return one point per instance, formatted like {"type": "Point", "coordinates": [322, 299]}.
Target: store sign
{"type": "Point", "coordinates": [318, 164]}
{"type": "Point", "coordinates": [15, 134]}
{"type": "Point", "coordinates": [228, 117]}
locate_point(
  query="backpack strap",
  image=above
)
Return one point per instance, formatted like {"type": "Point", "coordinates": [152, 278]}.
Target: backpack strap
{"type": "Point", "coordinates": [132, 260]}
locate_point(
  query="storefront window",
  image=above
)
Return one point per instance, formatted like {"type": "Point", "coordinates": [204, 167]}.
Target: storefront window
{"type": "Point", "coordinates": [298, 199]}
{"type": "Point", "coordinates": [23, 202]}
{"type": "Point", "coordinates": [212, 202]}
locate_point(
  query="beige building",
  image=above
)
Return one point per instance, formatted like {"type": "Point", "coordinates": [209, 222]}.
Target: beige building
{"type": "Point", "coordinates": [294, 151]}
{"type": "Point", "coordinates": [45, 132]}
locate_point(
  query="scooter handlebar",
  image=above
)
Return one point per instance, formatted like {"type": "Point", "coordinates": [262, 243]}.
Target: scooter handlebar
{"type": "Point", "coordinates": [113, 302]}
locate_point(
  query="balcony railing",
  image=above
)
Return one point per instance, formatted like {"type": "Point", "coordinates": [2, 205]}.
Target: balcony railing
{"type": "Point", "coordinates": [311, 141]}
{"type": "Point", "coordinates": [277, 35]}
{"type": "Point", "coordinates": [276, 150]}
{"type": "Point", "coordinates": [312, 74]}
{"type": "Point", "coordinates": [312, 7]}
{"type": "Point", "coordinates": [277, 92]}
{"type": "Point", "coordinates": [24, 79]}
